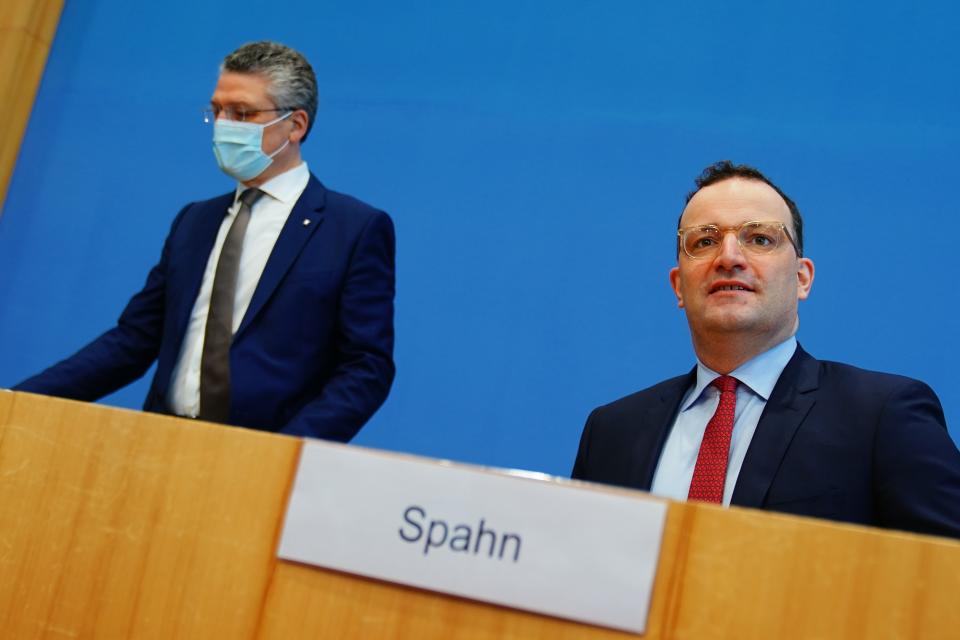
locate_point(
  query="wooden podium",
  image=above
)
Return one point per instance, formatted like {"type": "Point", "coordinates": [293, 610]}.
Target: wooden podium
{"type": "Point", "coordinates": [119, 524]}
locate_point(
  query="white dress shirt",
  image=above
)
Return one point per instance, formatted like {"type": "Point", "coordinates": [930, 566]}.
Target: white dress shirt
{"type": "Point", "coordinates": [757, 378]}
{"type": "Point", "coordinates": [267, 218]}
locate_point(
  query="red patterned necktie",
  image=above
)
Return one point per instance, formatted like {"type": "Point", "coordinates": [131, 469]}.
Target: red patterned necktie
{"type": "Point", "coordinates": [711, 471]}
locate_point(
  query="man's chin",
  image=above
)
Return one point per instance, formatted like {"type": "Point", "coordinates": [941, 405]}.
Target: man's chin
{"type": "Point", "coordinates": [729, 320]}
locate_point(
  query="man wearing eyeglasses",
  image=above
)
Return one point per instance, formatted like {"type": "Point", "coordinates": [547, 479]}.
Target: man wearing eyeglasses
{"type": "Point", "coordinates": [271, 306]}
{"type": "Point", "coordinates": [759, 422]}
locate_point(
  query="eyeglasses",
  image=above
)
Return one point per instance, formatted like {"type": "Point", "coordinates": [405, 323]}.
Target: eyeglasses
{"type": "Point", "coordinates": [754, 237]}
{"type": "Point", "coordinates": [238, 114]}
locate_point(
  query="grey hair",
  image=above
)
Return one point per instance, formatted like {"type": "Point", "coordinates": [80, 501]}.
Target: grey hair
{"type": "Point", "coordinates": [292, 81]}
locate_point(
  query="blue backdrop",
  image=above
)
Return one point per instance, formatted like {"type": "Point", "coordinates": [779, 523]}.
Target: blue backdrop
{"type": "Point", "coordinates": [534, 157]}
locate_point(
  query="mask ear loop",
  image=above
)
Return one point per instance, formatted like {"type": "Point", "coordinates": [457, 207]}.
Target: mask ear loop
{"type": "Point", "coordinates": [285, 144]}
{"type": "Point", "coordinates": [276, 120]}
{"type": "Point", "coordinates": [282, 147]}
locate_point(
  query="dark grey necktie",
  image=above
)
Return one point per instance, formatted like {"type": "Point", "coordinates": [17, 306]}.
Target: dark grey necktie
{"type": "Point", "coordinates": [215, 363]}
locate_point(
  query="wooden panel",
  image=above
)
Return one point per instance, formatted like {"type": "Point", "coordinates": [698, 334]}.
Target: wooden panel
{"type": "Point", "coordinates": [121, 524]}
{"type": "Point", "coordinates": [27, 28]}
{"type": "Point", "coordinates": [6, 404]}
{"type": "Point", "coordinates": [117, 524]}
{"type": "Point", "coordinates": [749, 574]}
{"type": "Point", "coordinates": [724, 573]}
{"type": "Point", "coordinates": [304, 602]}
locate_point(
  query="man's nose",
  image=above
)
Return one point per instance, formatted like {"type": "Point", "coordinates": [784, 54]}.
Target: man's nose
{"type": "Point", "coordinates": [731, 253]}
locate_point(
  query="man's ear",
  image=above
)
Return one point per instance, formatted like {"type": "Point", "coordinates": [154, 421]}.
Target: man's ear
{"type": "Point", "coordinates": [675, 283]}
{"type": "Point", "coordinates": [300, 121]}
{"type": "Point", "coordinates": [804, 278]}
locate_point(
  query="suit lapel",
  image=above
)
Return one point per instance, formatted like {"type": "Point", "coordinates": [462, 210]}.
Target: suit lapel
{"type": "Point", "coordinates": [788, 405]}
{"type": "Point", "coordinates": [290, 243]}
{"type": "Point", "coordinates": [660, 420]}
{"type": "Point", "coordinates": [199, 240]}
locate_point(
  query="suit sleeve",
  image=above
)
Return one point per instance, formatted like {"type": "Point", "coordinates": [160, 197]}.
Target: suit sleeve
{"type": "Point", "coordinates": [917, 480]}
{"type": "Point", "coordinates": [363, 342]}
{"type": "Point", "coordinates": [119, 356]}
{"type": "Point", "coordinates": [583, 453]}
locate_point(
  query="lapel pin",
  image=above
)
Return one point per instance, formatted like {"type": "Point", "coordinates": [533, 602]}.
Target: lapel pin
{"type": "Point", "coordinates": [306, 221]}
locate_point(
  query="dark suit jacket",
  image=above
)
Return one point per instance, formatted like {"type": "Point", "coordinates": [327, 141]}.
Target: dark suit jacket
{"type": "Point", "coordinates": [833, 442]}
{"type": "Point", "coordinates": [312, 355]}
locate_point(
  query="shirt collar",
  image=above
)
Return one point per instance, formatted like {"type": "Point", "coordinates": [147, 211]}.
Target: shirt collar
{"type": "Point", "coordinates": [285, 187]}
{"type": "Point", "coordinates": [759, 374]}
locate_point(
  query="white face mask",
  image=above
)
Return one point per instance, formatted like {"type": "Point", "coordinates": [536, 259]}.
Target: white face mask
{"type": "Point", "coordinates": [238, 147]}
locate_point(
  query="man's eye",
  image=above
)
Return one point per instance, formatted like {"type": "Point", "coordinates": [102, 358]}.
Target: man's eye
{"type": "Point", "coordinates": [703, 242]}
{"type": "Point", "coordinates": [760, 239]}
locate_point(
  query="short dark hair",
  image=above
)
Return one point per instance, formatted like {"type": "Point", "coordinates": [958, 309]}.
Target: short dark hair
{"type": "Point", "coordinates": [725, 170]}
{"type": "Point", "coordinates": [292, 81]}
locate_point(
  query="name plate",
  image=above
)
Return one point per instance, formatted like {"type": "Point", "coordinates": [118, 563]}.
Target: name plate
{"type": "Point", "coordinates": [514, 539]}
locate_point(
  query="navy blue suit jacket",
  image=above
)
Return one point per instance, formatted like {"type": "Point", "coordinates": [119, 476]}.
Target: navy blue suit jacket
{"type": "Point", "coordinates": [313, 353]}
{"type": "Point", "coordinates": [833, 442]}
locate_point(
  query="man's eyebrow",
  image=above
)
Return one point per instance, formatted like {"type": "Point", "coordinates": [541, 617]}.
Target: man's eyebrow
{"type": "Point", "coordinates": [242, 104]}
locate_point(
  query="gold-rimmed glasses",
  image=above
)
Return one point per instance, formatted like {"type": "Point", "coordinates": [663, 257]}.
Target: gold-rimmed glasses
{"type": "Point", "coordinates": [238, 114]}
{"type": "Point", "coordinates": [758, 237]}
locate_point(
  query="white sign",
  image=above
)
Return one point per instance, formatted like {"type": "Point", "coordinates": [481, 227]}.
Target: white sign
{"type": "Point", "coordinates": [513, 539]}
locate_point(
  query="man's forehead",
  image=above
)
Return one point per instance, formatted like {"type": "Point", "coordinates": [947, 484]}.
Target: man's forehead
{"type": "Point", "coordinates": [232, 85]}
{"type": "Point", "coordinates": [733, 201]}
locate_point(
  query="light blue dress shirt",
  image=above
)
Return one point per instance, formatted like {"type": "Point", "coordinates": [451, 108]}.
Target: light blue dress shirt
{"type": "Point", "coordinates": [757, 378]}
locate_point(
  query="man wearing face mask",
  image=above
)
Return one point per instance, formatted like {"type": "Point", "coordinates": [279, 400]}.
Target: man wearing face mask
{"type": "Point", "coordinates": [271, 306]}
